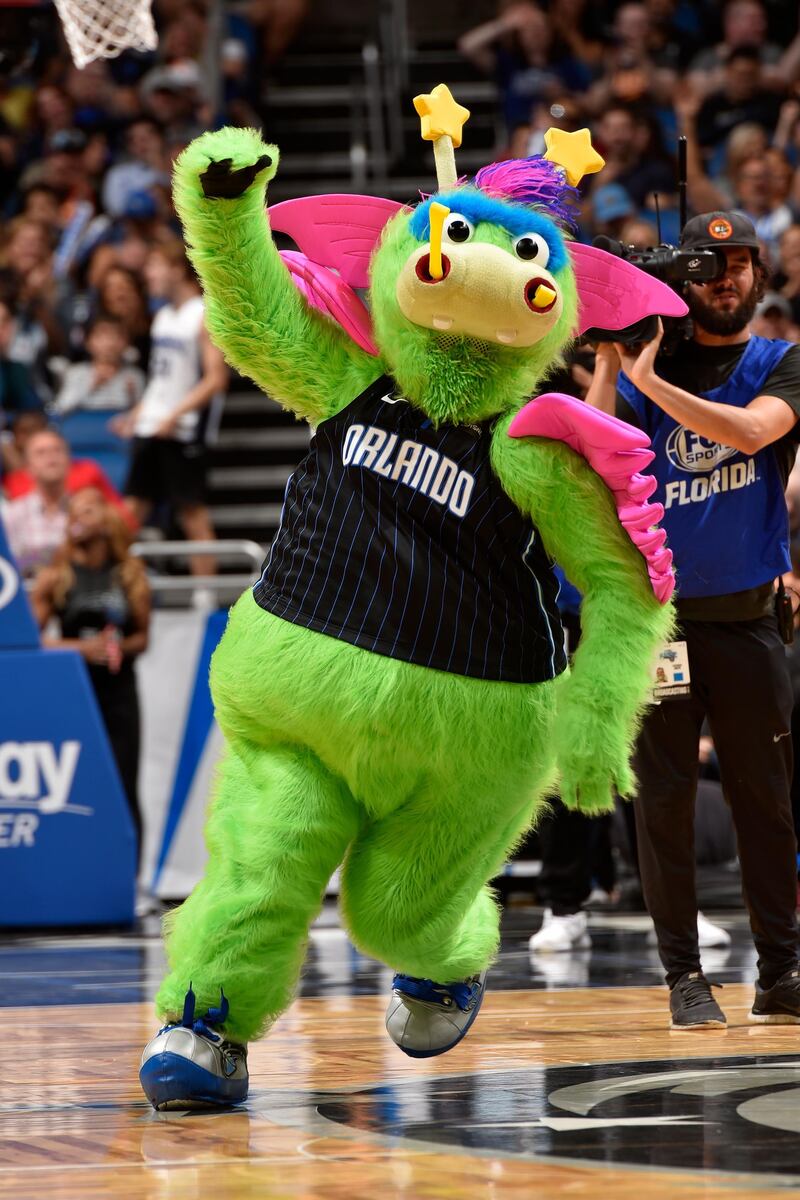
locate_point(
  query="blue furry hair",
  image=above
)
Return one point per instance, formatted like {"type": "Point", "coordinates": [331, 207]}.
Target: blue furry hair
{"type": "Point", "coordinates": [477, 206]}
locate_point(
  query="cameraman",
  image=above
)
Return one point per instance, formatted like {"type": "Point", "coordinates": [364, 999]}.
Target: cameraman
{"type": "Point", "coordinates": [721, 414]}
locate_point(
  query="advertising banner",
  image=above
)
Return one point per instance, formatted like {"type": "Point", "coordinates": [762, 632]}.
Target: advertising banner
{"type": "Point", "coordinates": [67, 843]}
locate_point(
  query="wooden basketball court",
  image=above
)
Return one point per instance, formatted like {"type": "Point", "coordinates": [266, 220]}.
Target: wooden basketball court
{"type": "Point", "coordinates": [557, 1091]}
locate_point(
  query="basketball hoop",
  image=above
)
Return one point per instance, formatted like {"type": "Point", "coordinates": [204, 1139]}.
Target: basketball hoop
{"type": "Point", "coordinates": [104, 28]}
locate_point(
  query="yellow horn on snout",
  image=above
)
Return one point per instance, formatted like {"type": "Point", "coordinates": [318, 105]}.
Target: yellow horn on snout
{"type": "Point", "coordinates": [437, 214]}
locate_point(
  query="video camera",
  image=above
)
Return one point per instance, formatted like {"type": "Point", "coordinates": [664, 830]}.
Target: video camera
{"type": "Point", "coordinates": [671, 265]}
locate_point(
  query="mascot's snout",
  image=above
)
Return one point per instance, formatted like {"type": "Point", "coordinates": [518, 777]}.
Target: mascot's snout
{"type": "Point", "coordinates": [481, 291]}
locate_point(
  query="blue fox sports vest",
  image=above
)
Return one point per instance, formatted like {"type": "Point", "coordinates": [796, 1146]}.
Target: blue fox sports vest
{"type": "Point", "coordinates": [725, 512]}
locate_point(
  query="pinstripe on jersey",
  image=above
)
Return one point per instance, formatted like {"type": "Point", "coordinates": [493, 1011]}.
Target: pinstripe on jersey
{"type": "Point", "coordinates": [398, 537]}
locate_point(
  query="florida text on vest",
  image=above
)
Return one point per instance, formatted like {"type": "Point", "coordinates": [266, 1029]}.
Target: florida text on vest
{"type": "Point", "coordinates": [707, 462]}
{"type": "Point", "coordinates": [419, 467]}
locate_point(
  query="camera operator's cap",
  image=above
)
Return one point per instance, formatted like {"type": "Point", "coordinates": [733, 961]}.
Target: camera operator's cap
{"type": "Point", "coordinates": [713, 229]}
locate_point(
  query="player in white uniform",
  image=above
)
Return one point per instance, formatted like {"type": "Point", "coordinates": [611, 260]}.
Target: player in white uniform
{"type": "Point", "coordinates": [169, 423]}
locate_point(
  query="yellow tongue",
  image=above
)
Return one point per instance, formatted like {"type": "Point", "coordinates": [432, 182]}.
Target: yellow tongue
{"type": "Point", "coordinates": [543, 296]}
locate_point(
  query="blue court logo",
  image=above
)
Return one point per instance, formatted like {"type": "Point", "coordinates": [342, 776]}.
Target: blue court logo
{"type": "Point", "coordinates": [734, 1115]}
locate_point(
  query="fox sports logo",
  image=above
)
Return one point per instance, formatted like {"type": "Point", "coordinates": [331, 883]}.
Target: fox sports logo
{"type": "Point", "coordinates": [691, 452]}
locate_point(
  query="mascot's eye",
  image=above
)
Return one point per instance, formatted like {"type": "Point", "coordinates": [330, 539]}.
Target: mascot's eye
{"type": "Point", "coordinates": [458, 228]}
{"type": "Point", "coordinates": [533, 248]}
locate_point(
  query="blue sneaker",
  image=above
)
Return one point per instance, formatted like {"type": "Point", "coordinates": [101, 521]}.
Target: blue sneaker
{"type": "Point", "coordinates": [426, 1018]}
{"type": "Point", "coordinates": [189, 1065]}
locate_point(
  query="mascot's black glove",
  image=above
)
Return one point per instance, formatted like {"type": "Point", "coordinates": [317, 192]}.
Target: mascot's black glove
{"type": "Point", "coordinates": [221, 183]}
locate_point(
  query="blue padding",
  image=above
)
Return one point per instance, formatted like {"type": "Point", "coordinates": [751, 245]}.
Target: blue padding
{"type": "Point", "coordinates": [89, 436]}
{"type": "Point", "coordinates": [67, 842]}
{"type": "Point", "coordinates": [170, 1078]}
{"type": "Point", "coordinates": [84, 428]}
{"type": "Point", "coordinates": [116, 465]}
{"type": "Point", "coordinates": [199, 719]}
{"type": "Point", "coordinates": [17, 627]}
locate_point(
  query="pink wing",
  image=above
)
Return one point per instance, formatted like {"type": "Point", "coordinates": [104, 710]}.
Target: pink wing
{"type": "Point", "coordinates": [618, 453]}
{"type": "Point", "coordinates": [332, 296]}
{"type": "Point", "coordinates": [613, 293]}
{"type": "Point", "coordinates": [338, 231]}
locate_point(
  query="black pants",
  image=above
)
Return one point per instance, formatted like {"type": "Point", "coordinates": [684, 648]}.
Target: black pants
{"type": "Point", "coordinates": [740, 681]}
{"type": "Point", "coordinates": [576, 850]}
{"type": "Point", "coordinates": [796, 776]}
{"type": "Point", "coordinates": [118, 701]}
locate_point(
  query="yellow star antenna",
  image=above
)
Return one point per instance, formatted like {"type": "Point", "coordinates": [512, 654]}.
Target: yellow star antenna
{"type": "Point", "coordinates": [574, 153]}
{"type": "Point", "coordinates": [442, 121]}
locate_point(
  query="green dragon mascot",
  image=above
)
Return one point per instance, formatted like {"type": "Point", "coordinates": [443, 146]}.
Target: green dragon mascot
{"type": "Point", "coordinates": [394, 691]}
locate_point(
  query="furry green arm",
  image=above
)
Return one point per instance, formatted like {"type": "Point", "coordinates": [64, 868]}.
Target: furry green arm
{"type": "Point", "coordinates": [601, 700]}
{"type": "Point", "coordinates": [254, 312]}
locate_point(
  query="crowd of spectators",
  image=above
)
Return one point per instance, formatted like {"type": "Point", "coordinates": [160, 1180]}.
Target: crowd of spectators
{"type": "Point", "coordinates": [86, 158]}
{"type": "Point", "coordinates": [727, 75]}
{"type": "Point", "coordinates": [85, 208]}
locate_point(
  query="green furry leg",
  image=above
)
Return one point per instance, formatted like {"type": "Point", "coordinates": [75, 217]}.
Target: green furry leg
{"type": "Point", "coordinates": [279, 826]}
{"type": "Point", "coordinates": [427, 779]}
{"type": "Point", "coordinates": [414, 891]}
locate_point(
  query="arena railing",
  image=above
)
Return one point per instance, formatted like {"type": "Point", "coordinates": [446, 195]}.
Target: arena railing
{"type": "Point", "coordinates": [220, 585]}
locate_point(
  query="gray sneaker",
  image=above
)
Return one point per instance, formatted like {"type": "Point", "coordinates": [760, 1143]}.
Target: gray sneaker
{"type": "Point", "coordinates": [191, 1065]}
{"type": "Point", "coordinates": [426, 1018]}
{"type": "Point", "coordinates": [780, 1004]}
{"type": "Point", "coordinates": [692, 1005]}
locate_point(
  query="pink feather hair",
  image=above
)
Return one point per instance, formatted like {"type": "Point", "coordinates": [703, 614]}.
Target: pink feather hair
{"type": "Point", "coordinates": [534, 181]}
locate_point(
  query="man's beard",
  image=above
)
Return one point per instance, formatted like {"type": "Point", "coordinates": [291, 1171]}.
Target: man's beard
{"type": "Point", "coordinates": [720, 321]}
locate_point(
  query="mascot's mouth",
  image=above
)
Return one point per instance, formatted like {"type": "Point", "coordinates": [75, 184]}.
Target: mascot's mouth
{"type": "Point", "coordinates": [485, 348]}
{"type": "Point", "coordinates": [531, 290]}
{"type": "Point", "coordinates": [423, 269]}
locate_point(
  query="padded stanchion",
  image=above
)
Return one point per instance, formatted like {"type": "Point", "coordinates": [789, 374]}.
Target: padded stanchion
{"type": "Point", "coordinates": [67, 843]}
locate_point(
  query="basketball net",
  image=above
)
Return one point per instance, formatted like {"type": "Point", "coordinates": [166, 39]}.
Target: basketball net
{"type": "Point", "coordinates": [104, 28]}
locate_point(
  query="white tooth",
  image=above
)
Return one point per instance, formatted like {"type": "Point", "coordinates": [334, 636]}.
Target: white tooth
{"type": "Point", "coordinates": [505, 335]}
{"type": "Point", "coordinates": [442, 322]}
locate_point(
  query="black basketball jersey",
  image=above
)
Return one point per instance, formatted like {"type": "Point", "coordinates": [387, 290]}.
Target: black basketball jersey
{"type": "Point", "coordinates": [398, 537]}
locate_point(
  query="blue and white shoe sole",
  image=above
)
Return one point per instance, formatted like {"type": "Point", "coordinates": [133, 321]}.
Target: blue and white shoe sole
{"type": "Point", "coordinates": [171, 1081]}
{"type": "Point", "coordinates": [450, 1045]}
